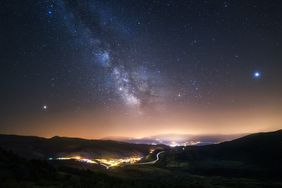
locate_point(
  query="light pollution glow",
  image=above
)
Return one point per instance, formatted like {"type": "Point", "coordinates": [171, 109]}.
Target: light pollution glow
{"type": "Point", "coordinates": [182, 121]}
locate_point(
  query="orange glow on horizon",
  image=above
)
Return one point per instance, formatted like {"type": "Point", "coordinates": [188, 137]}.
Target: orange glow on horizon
{"type": "Point", "coordinates": [199, 121]}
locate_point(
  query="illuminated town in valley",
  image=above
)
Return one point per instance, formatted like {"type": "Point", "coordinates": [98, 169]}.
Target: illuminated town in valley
{"type": "Point", "coordinates": [108, 163]}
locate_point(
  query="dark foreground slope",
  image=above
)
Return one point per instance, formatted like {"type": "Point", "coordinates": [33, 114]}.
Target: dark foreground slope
{"type": "Point", "coordinates": [256, 155]}
{"type": "Point", "coordinates": [246, 163]}
{"type": "Point", "coordinates": [17, 172]}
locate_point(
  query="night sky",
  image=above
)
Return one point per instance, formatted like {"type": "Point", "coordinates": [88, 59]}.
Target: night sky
{"type": "Point", "coordinates": [98, 68]}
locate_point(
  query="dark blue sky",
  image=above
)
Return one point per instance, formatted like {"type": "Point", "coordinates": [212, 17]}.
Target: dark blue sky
{"type": "Point", "coordinates": [139, 58]}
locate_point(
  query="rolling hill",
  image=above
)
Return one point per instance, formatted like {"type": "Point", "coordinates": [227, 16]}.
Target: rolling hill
{"type": "Point", "coordinates": [42, 148]}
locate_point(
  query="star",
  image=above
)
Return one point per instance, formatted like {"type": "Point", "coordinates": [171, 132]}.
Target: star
{"type": "Point", "coordinates": [257, 74]}
{"type": "Point", "coordinates": [50, 12]}
{"type": "Point", "coordinates": [44, 107]}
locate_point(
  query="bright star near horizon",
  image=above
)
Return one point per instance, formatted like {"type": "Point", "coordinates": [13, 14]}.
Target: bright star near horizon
{"type": "Point", "coordinates": [257, 74]}
{"type": "Point", "coordinates": [44, 107]}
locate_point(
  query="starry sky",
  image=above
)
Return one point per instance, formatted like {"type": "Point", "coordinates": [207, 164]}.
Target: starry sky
{"type": "Point", "coordinates": [98, 68]}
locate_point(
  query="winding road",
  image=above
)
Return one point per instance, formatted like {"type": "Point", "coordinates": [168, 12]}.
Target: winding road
{"type": "Point", "coordinates": [151, 162]}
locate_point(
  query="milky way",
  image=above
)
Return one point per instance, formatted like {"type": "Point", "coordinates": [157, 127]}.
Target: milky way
{"type": "Point", "coordinates": [103, 43]}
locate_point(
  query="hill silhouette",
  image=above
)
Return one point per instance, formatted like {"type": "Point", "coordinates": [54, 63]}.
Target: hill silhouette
{"type": "Point", "coordinates": [32, 147]}
{"type": "Point", "coordinates": [257, 154]}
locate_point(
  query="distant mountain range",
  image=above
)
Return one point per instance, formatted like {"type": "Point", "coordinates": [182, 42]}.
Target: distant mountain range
{"type": "Point", "coordinates": [179, 139]}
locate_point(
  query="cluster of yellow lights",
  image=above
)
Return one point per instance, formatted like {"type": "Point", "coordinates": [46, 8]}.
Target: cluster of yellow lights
{"type": "Point", "coordinates": [118, 162]}
{"type": "Point", "coordinates": [78, 158]}
{"type": "Point", "coordinates": [105, 162]}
